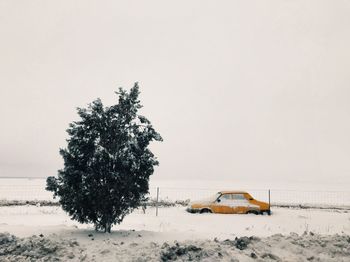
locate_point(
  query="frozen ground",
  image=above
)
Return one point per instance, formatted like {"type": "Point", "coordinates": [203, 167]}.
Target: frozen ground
{"type": "Point", "coordinates": [175, 224]}
{"type": "Point", "coordinates": [308, 247]}
{"type": "Point", "coordinates": [43, 233]}
{"type": "Point", "coordinates": [141, 237]}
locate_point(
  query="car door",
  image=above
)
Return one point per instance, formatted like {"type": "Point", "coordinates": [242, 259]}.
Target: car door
{"type": "Point", "coordinates": [223, 204]}
{"type": "Point", "coordinates": [241, 204]}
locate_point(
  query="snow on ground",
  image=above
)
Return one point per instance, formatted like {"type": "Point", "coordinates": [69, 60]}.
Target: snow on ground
{"type": "Point", "coordinates": [308, 247]}
{"type": "Point", "coordinates": [25, 220]}
{"type": "Point", "coordinates": [46, 233]}
{"type": "Point", "coordinates": [141, 237]}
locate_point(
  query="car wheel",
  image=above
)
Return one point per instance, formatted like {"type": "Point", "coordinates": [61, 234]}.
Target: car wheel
{"type": "Point", "coordinates": [205, 210]}
{"type": "Point", "coordinates": [255, 212]}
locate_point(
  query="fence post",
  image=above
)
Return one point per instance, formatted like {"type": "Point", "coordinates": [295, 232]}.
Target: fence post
{"type": "Point", "coordinates": [157, 201]}
{"type": "Point", "coordinates": [269, 202]}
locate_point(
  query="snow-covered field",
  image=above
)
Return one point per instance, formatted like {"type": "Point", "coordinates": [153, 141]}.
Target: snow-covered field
{"type": "Point", "coordinates": [176, 224]}
{"type": "Point", "coordinates": [46, 233]}
{"type": "Point", "coordinates": [302, 234]}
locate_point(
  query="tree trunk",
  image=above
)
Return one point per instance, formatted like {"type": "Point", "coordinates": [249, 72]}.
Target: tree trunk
{"type": "Point", "coordinates": [108, 227]}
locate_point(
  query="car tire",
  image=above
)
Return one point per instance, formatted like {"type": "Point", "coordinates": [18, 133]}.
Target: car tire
{"type": "Point", "coordinates": [205, 210]}
{"type": "Point", "coordinates": [255, 212]}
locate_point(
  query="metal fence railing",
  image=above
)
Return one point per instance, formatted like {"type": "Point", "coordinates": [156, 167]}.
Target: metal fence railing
{"type": "Point", "coordinates": [278, 197]}
{"type": "Point", "coordinates": [34, 190]}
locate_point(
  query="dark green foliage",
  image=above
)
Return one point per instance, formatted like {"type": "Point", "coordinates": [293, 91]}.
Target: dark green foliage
{"type": "Point", "coordinates": [107, 163]}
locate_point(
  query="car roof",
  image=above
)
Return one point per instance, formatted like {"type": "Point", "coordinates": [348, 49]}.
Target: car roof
{"type": "Point", "coordinates": [233, 192]}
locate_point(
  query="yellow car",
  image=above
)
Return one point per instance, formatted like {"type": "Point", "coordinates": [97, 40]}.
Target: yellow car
{"type": "Point", "coordinates": [230, 202]}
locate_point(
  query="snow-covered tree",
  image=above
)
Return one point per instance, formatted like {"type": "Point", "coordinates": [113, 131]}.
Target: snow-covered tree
{"type": "Point", "coordinates": [107, 162]}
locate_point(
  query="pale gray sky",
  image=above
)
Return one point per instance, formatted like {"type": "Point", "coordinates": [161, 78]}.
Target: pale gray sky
{"type": "Point", "coordinates": [255, 89]}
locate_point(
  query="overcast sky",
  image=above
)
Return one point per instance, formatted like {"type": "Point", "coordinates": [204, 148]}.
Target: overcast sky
{"type": "Point", "coordinates": [254, 89]}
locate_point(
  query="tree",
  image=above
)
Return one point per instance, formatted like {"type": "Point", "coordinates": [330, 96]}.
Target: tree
{"type": "Point", "coordinates": [107, 162]}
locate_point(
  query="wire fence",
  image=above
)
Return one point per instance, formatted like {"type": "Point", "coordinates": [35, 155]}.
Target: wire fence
{"type": "Point", "coordinates": [34, 190]}
{"type": "Point", "coordinates": [322, 199]}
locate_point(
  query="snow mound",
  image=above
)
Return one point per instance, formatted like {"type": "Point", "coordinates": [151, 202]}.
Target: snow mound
{"type": "Point", "coordinates": [36, 248]}
{"type": "Point", "coordinates": [278, 247]}
{"type": "Point", "coordinates": [306, 247]}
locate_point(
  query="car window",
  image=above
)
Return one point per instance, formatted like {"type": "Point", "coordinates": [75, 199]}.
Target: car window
{"type": "Point", "coordinates": [238, 197]}
{"type": "Point", "coordinates": [225, 197]}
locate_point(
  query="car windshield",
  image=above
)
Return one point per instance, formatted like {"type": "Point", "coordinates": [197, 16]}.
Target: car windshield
{"type": "Point", "coordinates": [214, 197]}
